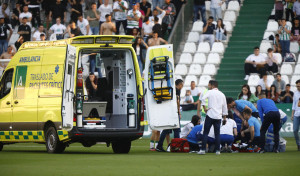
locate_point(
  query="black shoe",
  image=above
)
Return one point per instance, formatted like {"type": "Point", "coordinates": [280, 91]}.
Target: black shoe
{"type": "Point", "coordinates": [261, 151]}
{"type": "Point", "coordinates": [275, 151]}
{"type": "Point", "coordinates": [160, 150]}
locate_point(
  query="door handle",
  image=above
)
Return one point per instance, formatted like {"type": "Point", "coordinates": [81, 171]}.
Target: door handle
{"type": "Point", "coordinates": [16, 102]}
{"type": "Point", "coordinates": [8, 103]}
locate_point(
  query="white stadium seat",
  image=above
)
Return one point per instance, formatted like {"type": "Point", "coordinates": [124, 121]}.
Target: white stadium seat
{"type": "Point", "coordinates": [223, 7]}
{"type": "Point", "coordinates": [189, 48]}
{"type": "Point", "coordinates": [195, 69]}
{"type": "Point", "coordinates": [228, 26]}
{"type": "Point", "coordinates": [199, 58]}
{"type": "Point", "coordinates": [278, 57]}
{"type": "Point", "coordinates": [204, 79]}
{"type": "Point", "coordinates": [294, 79]}
{"type": "Point", "coordinates": [189, 79]}
{"type": "Point", "coordinates": [294, 47]}
{"type": "Point", "coordinates": [213, 58]}
{"type": "Point", "coordinates": [285, 78]}
{"type": "Point", "coordinates": [297, 70]}
{"type": "Point", "coordinates": [288, 23]}
{"type": "Point", "coordinates": [264, 46]}
{"type": "Point", "coordinates": [197, 26]}
{"type": "Point", "coordinates": [185, 58]}
{"type": "Point", "coordinates": [267, 34]}
{"type": "Point", "coordinates": [272, 26]}
{"type": "Point", "coordinates": [230, 16]}
{"type": "Point", "coordinates": [209, 69]}
{"type": "Point", "coordinates": [183, 91]}
{"type": "Point", "coordinates": [217, 47]}
{"type": "Point", "coordinates": [286, 69]}
{"type": "Point", "coordinates": [253, 80]}
{"type": "Point", "coordinates": [293, 88]}
{"type": "Point", "coordinates": [270, 78]}
{"type": "Point", "coordinates": [178, 77]}
{"type": "Point", "coordinates": [252, 89]}
{"type": "Point", "coordinates": [180, 69]}
{"type": "Point", "coordinates": [203, 47]}
{"type": "Point", "coordinates": [193, 37]}
{"type": "Point", "coordinates": [234, 5]}
{"type": "Point", "coordinates": [298, 59]}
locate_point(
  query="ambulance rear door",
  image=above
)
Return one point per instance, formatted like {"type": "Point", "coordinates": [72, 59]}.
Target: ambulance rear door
{"type": "Point", "coordinates": [68, 89]}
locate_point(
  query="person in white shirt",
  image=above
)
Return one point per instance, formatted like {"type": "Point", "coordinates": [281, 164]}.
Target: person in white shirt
{"type": "Point", "coordinates": [4, 12]}
{"type": "Point", "coordinates": [265, 83]}
{"type": "Point", "coordinates": [255, 63]}
{"type": "Point", "coordinates": [58, 29]}
{"type": "Point", "coordinates": [37, 35]}
{"type": "Point", "coordinates": [27, 14]}
{"type": "Point", "coordinates": [227, 133]}
{"type": "Point", "coordinates": [189, 126]}
{"type": "Point", "coordinates": [83, 25]}
{"type": "Point", "coordinates": [147, 29]}
{"type": "Point", "coordinates": [296, 113]}
{"type": "Point", "coordinates": [156, 14]}
{"type": "Point", "coordinates": [119, 8]}
{"type": "Point", "coordinates": [104, 9]}
{"type": "Point", "coordinates": [217, 107]}
{"type": "Point", "coordinates": [194, 90]}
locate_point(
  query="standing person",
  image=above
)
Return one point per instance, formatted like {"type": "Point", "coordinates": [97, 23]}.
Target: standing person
{"type": "Point", "coordinates": [220, 31]}
{"type": "Point", "coordinates": [278, 9]}
{"type": "Point", "coordinates": [139, 45]}
{"type": "Point", "coordinates": [272, 64]}
{"type": "Point", "coordinates": [217, 107]}
{"type": "Point", "coordinates": [146, 7]}
{"type": "Point", "coordinates": [93, 16]}
{"type": "Point", "coordinates": [284, 32]}
{"type": "Point", "coordinates": [208, 32]}
{"type": "Point", "coordinates": [25, 30]}
{"type": "Point", "coordinates": [37, 35]}
{"type": "Point", "coordinates": [147, 29]}
{"type": "Point", "coordinates": [73, 30]}
{"type": "Point", "coordinates": [159, 148]}
{"type": "Point", "coordinates": [58, 10]}
{"type": "Point", "coordinates": [156, 14]}
{"type": "Point", "coordinates": [215, 9]}
{"type": "Point", "coordinates": [296, 113]}
{"type": "Point", "coordinates": [58, 29]}
{"type": "Point", "coordinates": [289, 10]}
{"type": "Point", "coordinates": [84, 25]}
{"type": "Point", "coordinates": [133, 18]}
{"type": "Point", "coordinates": [4, 39]}
{"type": "Point", "coordinates": [108, 27]}
{"type": "Point", "coordinates": [19, 42]}
{"type": "Point", "coordinates": [119, 8]}
{"type": "Point", "coordinates": [76, 9]}
{"type": "Point", "coordinates": [168, 20]}
{"type": "Point", "coordinates": [5, 12]}
{"type": "Point", "coordinates": [269, 114]}
{"type": "Point", "coordinates": [26, 14]}
{"type": "Point", "coordinates": [295, 32]}
{"type": "Point", "coordinates": [296, 9]}
{"type": "Point", "coordinates": [142, 16]}
{"type": "Point", "coordinates": [15, 16]}
{"type": "Point", "coordinates": [104, 9]}
{"type": "Point", "coordinates": [34, 9]}
{"type": "Point", "coordinates": [155, 40]}
{"type": "Point", "coordinates": [157, 27]}
{"type": "Point", "coordinates": [199, 5]}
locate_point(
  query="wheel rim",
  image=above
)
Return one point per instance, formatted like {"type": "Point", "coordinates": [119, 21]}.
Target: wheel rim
{"type": "Point", "coordinates": [51, 141]}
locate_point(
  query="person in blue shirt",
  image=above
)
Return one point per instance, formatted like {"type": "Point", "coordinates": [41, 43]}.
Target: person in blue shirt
{"type": "Point", "coordinates": [194, 137]}
{"type": "Point", "coordinates": [241, 105]}
{"type": "Point", "coordinates": [254, 128]}
{"type": "Point", "coordinates": [269, 114]}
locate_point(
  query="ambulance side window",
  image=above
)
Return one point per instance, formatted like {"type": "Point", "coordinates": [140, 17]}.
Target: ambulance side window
{"type": "Point", "coordinates": [6, 83]}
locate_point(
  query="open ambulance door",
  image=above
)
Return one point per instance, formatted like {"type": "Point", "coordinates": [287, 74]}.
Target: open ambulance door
{"type": "Point", "coordinates": [68, 89]}
{"type": "Point", "coordinates": [160, 91]}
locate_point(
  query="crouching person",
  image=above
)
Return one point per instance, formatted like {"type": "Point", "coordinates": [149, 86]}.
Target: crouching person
{"type": "Point", "coordinates": [254, 128]}
{"type": "Point", "coordinates": [227, 133]}
{"type": "Point", "coordinates": [194, 137]}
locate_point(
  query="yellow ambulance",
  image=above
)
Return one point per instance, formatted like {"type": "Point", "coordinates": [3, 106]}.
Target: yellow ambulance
{"type": "Point", "coordinates": [86, 89]}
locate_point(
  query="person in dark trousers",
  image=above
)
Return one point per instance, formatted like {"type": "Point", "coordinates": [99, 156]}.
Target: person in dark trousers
{"type": "Point", "coordinates": [269, 114]}
{"type": "Point", "coordinates": [159, 148]}
{"type": "Point", "coordinates": [25, 30]}
{"type": "Point", "coordinates": [34, 9]}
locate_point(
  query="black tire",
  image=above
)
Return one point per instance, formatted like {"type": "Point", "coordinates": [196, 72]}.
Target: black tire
{"type": "Point", "coordinates": [121, 147]}
{"type": "Point", "coordinates": [1, 146]}
{"type": "Point", "coordinates": [53, 144]}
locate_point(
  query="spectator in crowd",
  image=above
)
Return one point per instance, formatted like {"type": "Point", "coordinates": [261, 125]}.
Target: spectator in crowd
{"type": "Point", "coordinates": [228, 131]}
{"type": "Point", "coordinates": [208, 32]}
{"type": "Point", "coordinates": [58, 10]}
{"type": "Point", "coordinates": [119, 8]}
{"type": "Point", "coordinates": [258, 91]}
{"type": "Point", "coordinates": [272, 94]}
{"type": "Point", "coordinates": [272, 64]}
{"type": "Point", "coordinates": [37, 35]}
{"type": "Point", "coordinates": [188, 98]}
{"type": "Point", "coordinates": [58, 29]}
{"type": "Point", "coordinates": [295, 32]}
{"type": "Point", "coordinates": [168, 20]}
{"type": "Point", "coordinates": [26, 14]}
{"type": "Point", "coordinates": [215, 9]}
{"type": "Point", "coordinates": [133, 18]}
{"type": "Point", "coordinates": [135, 33]}
{"type": "Point", "coordinates": [4, 38]}
{"type": "Point", "coordinates": [278, 9]}
{"type": "Point", "coordinates": [93, 16]}
{"type": "Point", "coordinates": [239, 106]}
{"type": "Point", "coordinates": [157, 27]}
{"type": "Point", "coordinates": [83, 25]}
{"type": "Point", "coordinates": [194, 90]}
{"type": "Point", "coordinates": [139, 45]}
{"type": "Point", "coordinates": [279, 83]}
{"type": "Point", "coordinates": [34, 8]}
{"type": "Point", "coordinates": [296, 113]}
{"type": "Point", "coordinates": [217, 107]}
{"type": "Point", "coordinates": [142, 17]}
{"type": "Point", "coordinates": [5, 12]}
{"type": "Point", "coordinates": [189, 126]}
{"type": "Point", "coordinates": [73, 30]}
{"type": "Point", "coordinates": [255, 63]}
{"type": "Point", "coordinates": [178, 4]}
{"type": "Point", "coordinates": [296, 8]}
{"type": "Point", "coordinates": [155, 40]}
{"type": "Point", "coordinates": [43, 37]}
{"type": "Point", "coordinates": [76, 9]}
{"type": "Point", "coordinates": [156, 14]}
{"type": "Point", "coordinates": [286, 96]}
{"type": "Point", "coordinates": [19, 42]}
{"type": "Point", "coordinates": [105, 9]}
{"type": "Point", "coordinates": [276, 44]}
{"type": "Point", "coordinates": [254, 129]}
{"type": "Point", "coordinates": [220, 31]}
{"type": "Point", "coordinates": [147, 29]}
{"type": "Point", "coordinates": [269, 114]}
{"type": "Point", "coordinates": [289, 10]}
{"type": "Point", "coordinates": [146, 7]}
{"type": "Point", "coordinates": [265, 84]}
{"type": "Point", "coordinates": [247, 95]}
{"type": "Point", "coordinates": [15, 15]}
{"type": "Point", "coordinates": [284, 32]}
{"type": "Point", "coordinates": [108, 27]}
{"type": "Point", "coordinates": [25, 30]}
{"type": "Point", "coordinates": [9, 54]}
{"type": "Point", "coordinates": [199, 5]}
{"type": "Point", "coordinates": [157, 3]}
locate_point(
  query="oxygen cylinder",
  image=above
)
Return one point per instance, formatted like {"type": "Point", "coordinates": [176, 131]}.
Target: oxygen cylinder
{"type": "Point", "coordinates": [79, 78]}
{"type": "Point", "coordinates": [79, 109]}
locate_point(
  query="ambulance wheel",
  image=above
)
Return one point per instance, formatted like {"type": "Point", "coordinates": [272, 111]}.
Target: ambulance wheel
{"type": "Point", "coordinates": [1, 146]}
{"type": "Point", "coordinates": [121, 147]}
{"type": "Point", "coordinates": [53, 144]}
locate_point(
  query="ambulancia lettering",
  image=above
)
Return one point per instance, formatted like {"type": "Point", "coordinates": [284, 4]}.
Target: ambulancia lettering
{"type": "Point", "coordinates": [30, 59]}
